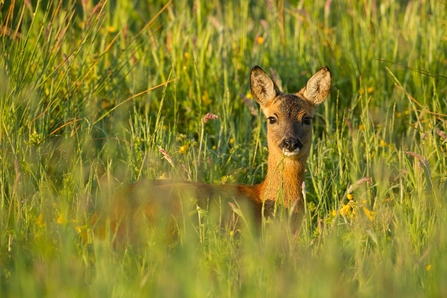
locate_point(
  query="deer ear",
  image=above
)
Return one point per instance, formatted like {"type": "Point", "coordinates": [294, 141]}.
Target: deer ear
{"type": "Point", "coordinates": [262, 87]}
{"type": "Point", "coordinates": [317, 88]}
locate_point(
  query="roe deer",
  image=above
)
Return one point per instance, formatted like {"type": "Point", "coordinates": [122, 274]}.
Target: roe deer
{"type": "Point", "coordinates": [289, 139]}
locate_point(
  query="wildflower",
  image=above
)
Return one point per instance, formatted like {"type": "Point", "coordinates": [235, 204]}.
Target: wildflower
{"type": "Point", "coordinates": [399, 115]}
{"type": "Point", "coordinates": [370, 214]}
{"type": "Point", "coordinates": [183, 149]}
{"type": "Point", "coordinates": [40, 221]}
{"type": "Point", "coordinates": [231, 141]}
{"type": "Point", "coordinates": [260, 40]}
{"type": "Point", "coordinates": [350, 196]}
{"type": "Point", "coordinates": [82, 231]}
{"type": "Point", "coordinates": [370, 90]}
{"type": "Point", "coordinates": [345, 210]}
{"type": "Point", "coordinates": [61, 220]}
{"type": "Point", "coordinates": [428, 267]}
{"type": "Point", "coordinates": [361, 127]}
{"type": "Point", "coordinates": [383, 144]}
{"type": "Point", "coordinates": [111, 29]}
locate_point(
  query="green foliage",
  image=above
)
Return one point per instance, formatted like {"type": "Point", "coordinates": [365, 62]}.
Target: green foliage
{"type": "Point", "coordinates": [91, 90]}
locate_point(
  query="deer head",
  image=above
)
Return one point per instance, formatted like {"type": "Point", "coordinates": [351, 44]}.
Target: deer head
{"type": "Point", "coordinates": [289, 115]}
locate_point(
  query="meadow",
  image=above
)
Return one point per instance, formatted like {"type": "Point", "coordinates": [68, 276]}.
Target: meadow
{"type": "Point", "coordinates": [95, 95]}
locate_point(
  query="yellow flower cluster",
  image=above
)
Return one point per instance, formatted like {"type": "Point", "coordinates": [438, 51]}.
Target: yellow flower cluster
{"type": "Point", "coordinates": [62, 220]}
{"type": "Point", "coordinates": [183, 149]}
{"type": "Point", "coordinates": [352, 207]}
{"type": "Point", "coordinates": [368, 90]}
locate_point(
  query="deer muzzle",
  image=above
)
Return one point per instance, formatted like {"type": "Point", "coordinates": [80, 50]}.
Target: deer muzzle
{"type": "Point", "coordinates": [291, 146]}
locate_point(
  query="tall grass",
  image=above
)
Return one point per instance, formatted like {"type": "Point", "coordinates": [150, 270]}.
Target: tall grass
{"type": "Point", "coordinates": [91, 90]}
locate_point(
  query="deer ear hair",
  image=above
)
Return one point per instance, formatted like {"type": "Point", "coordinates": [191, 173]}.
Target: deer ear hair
{"type": "Point", "coordinates": [318, 86]}
{"type": "Point", "coordinates": [262, 86]}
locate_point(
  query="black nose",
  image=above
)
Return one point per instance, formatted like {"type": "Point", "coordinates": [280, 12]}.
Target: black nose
{"type": "Point", "coordinates": [291, 144]}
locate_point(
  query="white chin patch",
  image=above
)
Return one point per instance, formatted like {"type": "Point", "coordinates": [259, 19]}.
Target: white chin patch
{"type": "Point", "coordinates": [291, 153]}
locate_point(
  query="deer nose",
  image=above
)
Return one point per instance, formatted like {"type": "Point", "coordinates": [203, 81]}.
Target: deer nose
{"type": "Point", "coordinates": [291, 145]}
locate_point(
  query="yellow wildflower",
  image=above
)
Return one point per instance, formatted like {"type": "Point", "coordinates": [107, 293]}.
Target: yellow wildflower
{"type": "Point", "coordinates": [260, 40]}
{"type": "Point", "coordinates": [370, 214]}
{"type": "Point", "coordinates": [428, 267]}
{"type": "Point", "coordinates": [350, 196]}
{"type": "Point", "coordinates": [345, 210]}
{"type": "Point", "coordinates": [40, 221]}
{"type": "Point", "coordinates": [383, 144]}
{"type": "Point", "coordinates": [183, 149]}
{"type": "Point", "coordinates": [370, 90]}
{"type": "Point", "coordinates": [82, 231]}
{"type": "Point", "coordinates": [61, 219]}
{"type": "Point", "coordinates": [361, 127]}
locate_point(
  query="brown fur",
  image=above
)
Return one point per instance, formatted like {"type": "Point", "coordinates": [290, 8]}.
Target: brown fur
{"type": "Point", "coordinates": [289, 128]}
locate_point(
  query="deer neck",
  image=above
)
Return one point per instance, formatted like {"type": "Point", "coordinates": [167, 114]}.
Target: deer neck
{"type": "Point", "coordinates": [284, 180]}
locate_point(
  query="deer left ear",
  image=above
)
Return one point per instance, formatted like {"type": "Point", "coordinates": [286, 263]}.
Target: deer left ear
{"type": "Point", "coordinates": [262, 87]}
{"type": "Point", "coordinates": [318, 86]}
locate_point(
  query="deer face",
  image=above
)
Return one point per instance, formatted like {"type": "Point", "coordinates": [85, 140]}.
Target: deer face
{"type": "Point", "coordinates": [289, 124]}
{"type": "Point", "coordinates": [289, 116]}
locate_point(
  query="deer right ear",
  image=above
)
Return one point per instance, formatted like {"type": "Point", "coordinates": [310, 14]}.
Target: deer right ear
{"type": "Point", "coordinates": [318, 86]}
{"type": "Point", "coordinates": [262, 87]}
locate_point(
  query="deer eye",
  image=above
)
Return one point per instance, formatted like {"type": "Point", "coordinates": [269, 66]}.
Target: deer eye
{"type": "Point", "coordinates": [272, 120]}
{"type": "Point", "coordinates": [307, 120]}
